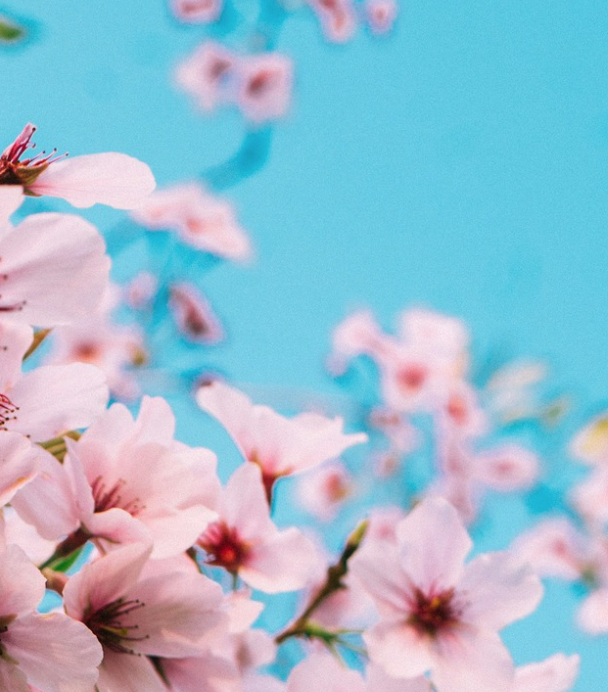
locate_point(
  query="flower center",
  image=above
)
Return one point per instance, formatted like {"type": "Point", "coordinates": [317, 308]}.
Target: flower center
{"type": "Point", "coordinates": [17, 171]}
{"type": "Point", "coordinates": [109, 626]}
{"type": "Point", "coordinates": [7, 411]}
{"type": "Point", "coordinates": [411, 377]}
{"type": "Point", "coordinates": [108, 497]}
{"type": "Point", "coordinates": [223, 547]}
{"type": "Point", "coordinates": [433, 613]}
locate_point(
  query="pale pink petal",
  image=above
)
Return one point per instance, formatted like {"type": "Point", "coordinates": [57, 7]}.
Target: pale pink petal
{"type": "Point", "coordinates": [54, 399]}
{"type": "Point", "coordinates": [56, 653]}
{"type": "Point", "coordinates": [433, 544]}
{"type": "Point", "coordinates": [55, 269]}
{"type": "Point", "coordinates": [15, 339]}
{"type": "Point", "coordinates": [592, 616]}
{"type": "Point", "coordinates": [399, 649]}
{"type": "Point", "coordinates": [283, 563]}
{"type": "Point", "coordinates": [245, 505]}
{"type": "Point", "coordinates": [379, 681]}
{"type": "Point", "coordinates": [181, 614]}
{"type": "Point", "coordinates": [553, 548]}
{"type": "Point", "coordinates": [206, 673]}
{"type": "Point", "coordinates": [105, 580]}
{"type": "Point", "coordinates": [507, 468]}
{"type": "Point", "coordinates": [377, 566]}
{"type": "Point", "coordinates": [555, 674]}
{"type": "Point", "coordinates": [115, 527]}
{"type": "Point", "coordinates": [110, 178]}
{"type": "Point", "coordinates": [21, 583]}
{"type": "Point", "coordinates": [49, 503]}
{"type": "Point", "coordinates": [19, 464]}
{"type": "Point", "coordinates": [502, 590]}
{"type": "Point", "coordinates": [127, 673]}
{"type": "Point", "coordinates": [11, 197]}
{"type": "Point", "coordinates": [479, 661]}
{"type": "Point", "coordinates": [324, 672]}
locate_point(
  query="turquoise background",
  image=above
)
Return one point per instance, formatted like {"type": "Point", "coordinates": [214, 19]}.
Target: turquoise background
{"type": "Point", "coordinates": [460, 164]}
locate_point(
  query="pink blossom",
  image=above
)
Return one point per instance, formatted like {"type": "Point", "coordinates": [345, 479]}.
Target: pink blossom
{"type": "Point", "coordinates": [197, 11]}
{"type": "Point", "coordinates": [245, 541]}
{"type": "Point", "coordinates": [325, 490]}
{"type": "Point", "coordinates": [200, 219]}
{"type": "Point", "coordinates": [260, 85]}
{"type": "Point", "coordinates": [592, 616]}
{"type": "Point", "coordinates": [51, 652]}
{"type": "Point", "coordinates": [555, 674]}
{"type": "Point", "coordinates": [590, 498]}
{"type": "Point", "coordinates": [193, 314]}
{"type": "Point", "coordinates": [132, 610]}
{"type": "Point", "coordinates": [49, 400]}
{"type": "Point", "coordinates": [446, 336]}
{"type": "Point", "coordinates": [114, 179]}
{"type": "Point", "coordinates": [381, 15]}
{"type": "Point", "coordinates": [140, 291]}
{"type": "Point", "coordinates": [338, 19]}
{"type": "Point", "coordinates": [209, 75]}
{"type": "Point", "coordinates": [279, 446]}
{"type": "Point", "coordinates": [358, 334]}
{"type": "Point", "coordinates": [438, 614]}
{"type": "Point", "coordinates": [264, 86]}
{"type": "Point", "coordinates": [506, 467]}
{"type": "Point", "coordinates": [126, 480]}
{"type": "Point", "coordinates": [54, 269]}
{"type": "Point", "coordinates": [554, 548]}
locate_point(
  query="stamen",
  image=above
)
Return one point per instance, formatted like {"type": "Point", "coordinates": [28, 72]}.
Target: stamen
{"type": "Point", "coordinates": [7, 411]}
{"type": "Point", "coordinates": [107, 624]}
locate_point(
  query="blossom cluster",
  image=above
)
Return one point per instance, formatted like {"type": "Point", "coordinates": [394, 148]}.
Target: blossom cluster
{"type": "Point", "coordinates": [155, 563]}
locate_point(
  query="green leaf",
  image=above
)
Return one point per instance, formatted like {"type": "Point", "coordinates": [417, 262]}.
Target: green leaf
{"type": "Point", "coordinates": [63, 564]}
{"type": "Point", "coordinates": [10, 32]}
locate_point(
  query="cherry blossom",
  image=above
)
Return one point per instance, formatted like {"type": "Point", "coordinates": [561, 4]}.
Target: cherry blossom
{"type": "Point", "coordinates": [125, 480]}
{"type": "Point", "coordinates": [39, 650]}
{"type": "Point", "coordinates": [554, 674]}
{"type": "Point", "coordinates": [245, 541]}
{"type": "Point", "coordinates": [134, 611]}
{"type": "Point", "coordinates": [114, 179]}
{"type": "Point", "coordinates": [193, 314]}
{"type": "Point", "coordinates": [381, 15]}
{"type": "Point", "coordinates": [200, 219]}
{"type": "Point", "coordinates": [279, 446]}
{"type": "Point", "coordinates": [438, 614]}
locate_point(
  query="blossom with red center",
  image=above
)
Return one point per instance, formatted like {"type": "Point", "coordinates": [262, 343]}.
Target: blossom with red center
{"type": "Point", "coordinates": [279, 446]}
{"type": "Point", "coordinates": [245, 541]}
{"type": "Point", "coordinates": [381, 15]}
{"type": "Point", "coordinates": [438, 614]}
{"type": "Point", "coordinates": [139, 610]}
{"type": "Point", "coordinates": [114, 179]}
{"type": "Point", "coordinates": [265, 85]}
{"type": "Point", "coordinates": [193, 314]}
